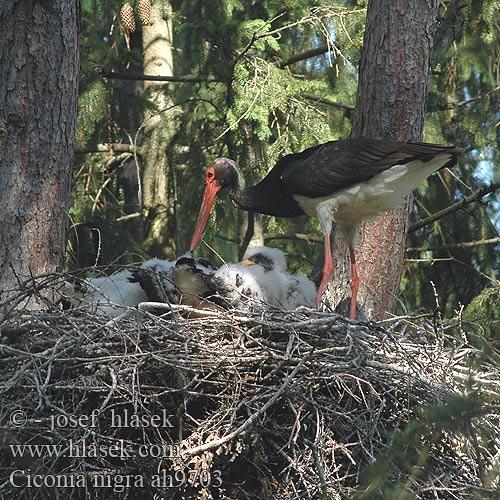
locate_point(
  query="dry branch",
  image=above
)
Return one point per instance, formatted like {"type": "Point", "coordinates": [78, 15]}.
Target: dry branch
{"type": "Point", "coordinates": [107, 148]}
{"type": "Point", "coordinates": [312, 238]}
{"type": "Point", "coordinates": [161, 78]}
{"type": "Point", "coordinates": [473, 198]}
{"type": "Point", "coordinates": [328, 102]}
{"type": "Point", "coordinates": [462, 244]}
{"type": "Point", "coordinates": [302, 56]}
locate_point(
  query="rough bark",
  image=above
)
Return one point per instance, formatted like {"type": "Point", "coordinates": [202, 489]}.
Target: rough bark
{"type": "Point", "coordinates": [158, 189]}
{"type": "Point", "coordinates": [39, 63]}
{"type": "Point", "coordinates": [391, 102]}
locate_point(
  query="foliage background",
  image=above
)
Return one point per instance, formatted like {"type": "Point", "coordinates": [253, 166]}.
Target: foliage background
{"type": "Point", "coordinates": [250, 105]}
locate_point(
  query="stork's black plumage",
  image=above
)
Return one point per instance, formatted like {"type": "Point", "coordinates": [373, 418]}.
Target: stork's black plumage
{"type": "Point", "coordinates": [345, 182]}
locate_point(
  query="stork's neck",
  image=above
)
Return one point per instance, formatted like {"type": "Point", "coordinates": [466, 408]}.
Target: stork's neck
{"type": "Point", "coordinates": [242, 195]}
{"type": "Point", "coordinates": [238, 186]}
{"type": "Point", "coordinates": [264, 197]}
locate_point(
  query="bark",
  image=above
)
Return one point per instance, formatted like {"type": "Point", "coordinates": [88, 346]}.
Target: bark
{"type": "Point", "coordinates": [159, 194]}
{"type": "Point", "coordinates": [391, 102]}
{"type": "Point", "coordinates": [39, 63]}
{"type": "Point", "coordinates": [251, 154]}
{"type": "Point", "coordinates": [128, 175]}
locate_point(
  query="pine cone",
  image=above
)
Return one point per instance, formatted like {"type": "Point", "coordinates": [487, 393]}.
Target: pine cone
{"type": "Point", "coordinates": [127, 17]}
{"type": "Point", "coordinates": [144, 11]}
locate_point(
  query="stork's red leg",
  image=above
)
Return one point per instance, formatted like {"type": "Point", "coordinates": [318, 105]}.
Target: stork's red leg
{"type": "Point", "coordinates": [354, 283]}
{"type": "Point", "coordinates": [327, 269]}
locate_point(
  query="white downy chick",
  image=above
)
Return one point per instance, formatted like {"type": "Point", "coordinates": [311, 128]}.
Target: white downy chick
{"type": "Point", "coordinates": [111, 294]}
{"type": "Point", "coordinates": [301, 292]}
{"type": "Point", "coordinates": [239, 286]}
{"type": "Point", "coordinates": [268, 265]}
{"type": "Point", "coordinates": [281, 288]}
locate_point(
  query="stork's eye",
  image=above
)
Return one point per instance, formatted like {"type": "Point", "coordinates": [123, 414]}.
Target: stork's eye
{"type": "Point", "coordinates": [210, 174]}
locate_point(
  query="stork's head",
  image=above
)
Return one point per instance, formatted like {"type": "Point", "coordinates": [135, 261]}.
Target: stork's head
{"type": "Point", "coordinates": [219, 174]}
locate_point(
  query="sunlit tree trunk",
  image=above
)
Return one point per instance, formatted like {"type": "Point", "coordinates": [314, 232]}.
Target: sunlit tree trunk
{"type": "Point", "coordinates": [391, 102]}
{"type": "Point", "coordinates": [39, 63]}
{"type": "Point", "coordinates": [158, 188]}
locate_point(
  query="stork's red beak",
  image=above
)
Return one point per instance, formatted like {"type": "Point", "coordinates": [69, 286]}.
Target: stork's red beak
{"type": "Point", "coordinates": [211, 190]}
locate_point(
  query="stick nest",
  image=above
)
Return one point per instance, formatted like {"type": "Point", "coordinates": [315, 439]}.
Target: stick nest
{"type": "Point", "coordinates": [231, 405]}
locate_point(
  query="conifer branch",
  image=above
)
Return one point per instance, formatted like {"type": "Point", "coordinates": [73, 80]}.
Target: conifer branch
{"type": "Point", "coordinates": [106, 148]}
{"type": "Point", "coordinates": [313, 238]}
{"type": "Point", "coordinates": [474, 197]}
{"type": "Point", "coordinates": [328, 102]}
{"type": "Point", "coordinates": [160, 78]}
{"type": "Point", "coordinates": [463, 244]}
{"type": "Point", "coordinates": [308, 54]}
{"type": "Point", "coordinates": [454, 105]}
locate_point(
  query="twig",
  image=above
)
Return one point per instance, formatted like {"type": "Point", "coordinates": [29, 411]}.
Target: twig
{"type": "Point", "coordinates": [475, 197]}
{"type": "Point", "coordinates": [216, 443]}
{"type": "Point", "coordinates": [463, 244]}
{"type": "Point", "coordinates": [328, 102]}
{"type": "Point", "coordinates": [319, 468]}
{"type": "Point", "coordinates": [455, 105]}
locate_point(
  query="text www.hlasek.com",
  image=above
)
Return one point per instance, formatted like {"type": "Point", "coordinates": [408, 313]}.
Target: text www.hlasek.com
{"type": "Point", "coordinates": [82, 449]}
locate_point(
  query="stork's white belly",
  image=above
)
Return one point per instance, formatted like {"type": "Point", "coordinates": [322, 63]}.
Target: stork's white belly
{"type": "Point", "coordinates": [385, 191]}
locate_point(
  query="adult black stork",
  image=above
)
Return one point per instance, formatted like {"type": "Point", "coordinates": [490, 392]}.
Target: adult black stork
{"type": "Point", "coordinates": [343, 182]}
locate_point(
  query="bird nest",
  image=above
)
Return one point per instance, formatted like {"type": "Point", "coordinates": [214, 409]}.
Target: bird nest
{"type": "Point", "coordinates": [232, 405]}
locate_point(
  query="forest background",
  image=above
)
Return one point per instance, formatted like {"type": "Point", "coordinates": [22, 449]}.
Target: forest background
{"type": "Point", "coordinates": [255, 80]}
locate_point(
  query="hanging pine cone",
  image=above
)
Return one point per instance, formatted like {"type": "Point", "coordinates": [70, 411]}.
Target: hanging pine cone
{"type": "Point", "coordinates": [127, 17]}
{"type": "Point", "coordinates": [144, 11]}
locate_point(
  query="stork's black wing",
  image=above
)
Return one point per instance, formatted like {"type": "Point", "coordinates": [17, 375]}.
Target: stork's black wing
{"type": "Point", "coordinates": [327, 168]}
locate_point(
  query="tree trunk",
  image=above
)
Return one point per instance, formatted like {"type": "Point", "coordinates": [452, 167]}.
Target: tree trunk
{"type": "Point", "coordinates": [39, 63]}
{"type": "Point", "coordinates": [158, 189]}
{"type": "Point", "coordinates": [252, 152]}
{"type": "Point", "coordinates": [391, 102]}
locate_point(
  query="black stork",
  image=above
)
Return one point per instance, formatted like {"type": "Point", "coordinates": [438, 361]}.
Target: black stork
{"type": "Point", "coordinates": [344, 182]}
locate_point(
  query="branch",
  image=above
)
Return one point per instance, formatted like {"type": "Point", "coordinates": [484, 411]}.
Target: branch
{"type": "Point", "coordinates": [442, 107]}
{"type": "Point", "coordinates": [322, 100]}
{"type": "Point", "coordinates": [474, 197]}
{"type": "Point", "coordinates": [455, 105]}
{"type": "Point", "coordinates": [319, 468]}
{"type": "Point", "coordinates": [463, 244]}
{"type": "Point", "coordinates": [216, 443]}
{"type": "Point", "coordinates": [293, 236]}
{"type": "Point", "coordinates": [314, 14]}
{"type": "Point", "coordinates": [116, 161]}
{"type": "Point", "coordinates": [308, 54]}
{"type": "Point", "coordinates": [160, 78]}
{"type": "Point", "coordinates": [106, 148]}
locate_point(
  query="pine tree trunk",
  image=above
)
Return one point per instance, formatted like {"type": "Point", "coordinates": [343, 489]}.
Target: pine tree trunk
{"type": "Point", "coordinates": [391, 102]}
{"type": "Point", "coordinates": [252, 152]}
{"type": "Point", "coordinates": [39, 63]}
{"type": "Point", "coordinates": [158, 188]}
